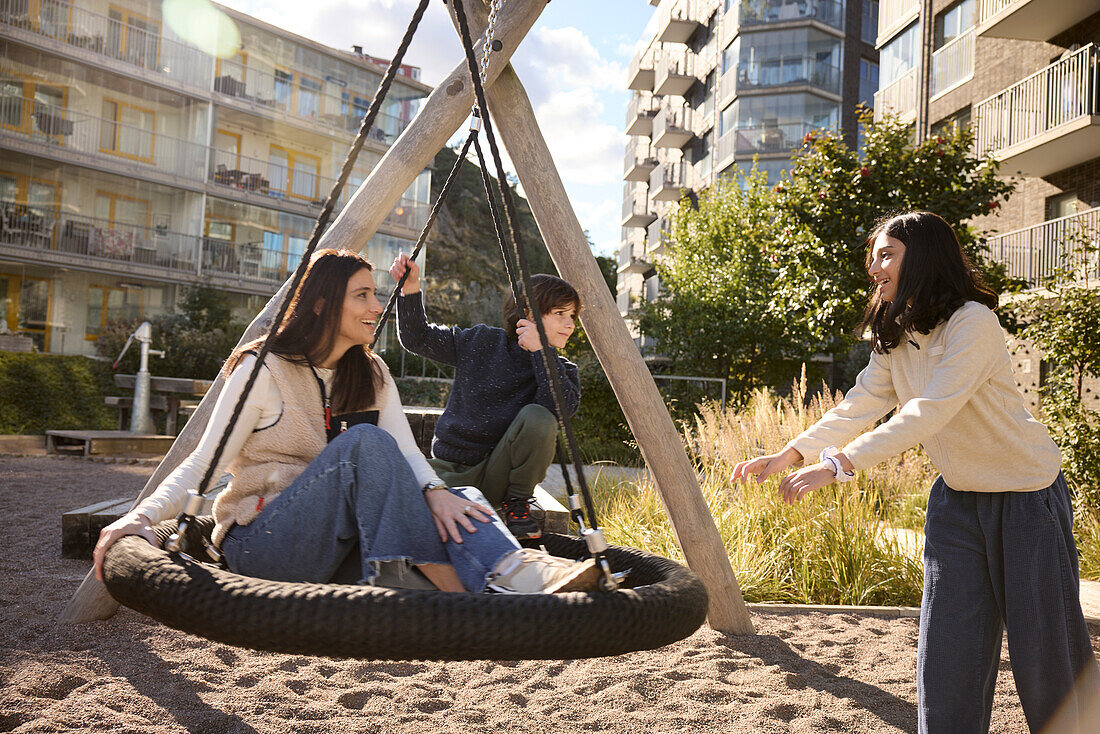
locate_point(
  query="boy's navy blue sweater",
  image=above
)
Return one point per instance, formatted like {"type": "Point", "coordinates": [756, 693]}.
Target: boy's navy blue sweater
{"type": "Point", "coordinates": [494, 378]}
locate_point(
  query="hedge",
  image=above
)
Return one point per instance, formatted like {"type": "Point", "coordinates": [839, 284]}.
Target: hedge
{"type": "Point", "coordinates": [40, 392]}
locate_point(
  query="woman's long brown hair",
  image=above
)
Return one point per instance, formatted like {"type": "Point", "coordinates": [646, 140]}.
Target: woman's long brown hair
{"type": "Point", "coordinates": [936, 279]}
{"type": "Point", "coordinates": [312, 323]}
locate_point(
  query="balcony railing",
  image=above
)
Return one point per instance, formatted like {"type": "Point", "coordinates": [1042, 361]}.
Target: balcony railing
{"type": "Point", "coordinates": [311, 100]}
{"type": "Point", "coordinates": [145, 48]}
{"type": "Point", "coordinates": [893, 15]}
{"type": "Point", "coordinates": [1064, 249]}
{"type": "Point", "coordinates": [1066, 90]}
{"type": "Point", "coordinates": [788, 71]}
{"type": "Point", "coordinates": [759, 12]}
{"type": "Point", "coordinates": [639, 115]}
{"type": "Point", "coordinates": [727, 145]}
{"type": "Point", "coordinates": [899, 97]}
{"type": "Point", "coordinates": [675, 73]}
{"type": "Point", "coordinates": [89, 241]}
{"type": "Point", "coordinates": [639, 161]}
{"type": "Point", "coordinates": [656, 234]}
{"type": "Point", "coordinates": [782, 138]}
{"type": "Point", "coordinates": [953, 64]}
{"type": "Point", "coordinates": [636, 209]}
{"type": "Point", "coordinates": [106, 140]}
{"type": "Point", "coordinates": [640, 75]}
{"type": "Point", "coordinates": [667, 180]}
{"type": "Point", "coordinates": [672, 127]}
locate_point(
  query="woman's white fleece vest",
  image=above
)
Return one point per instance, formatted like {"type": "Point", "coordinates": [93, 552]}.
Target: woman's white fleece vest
{"type": "Point", "coordinates": [274, 456]}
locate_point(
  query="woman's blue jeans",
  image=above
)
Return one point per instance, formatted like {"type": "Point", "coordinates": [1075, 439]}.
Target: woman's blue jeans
{"type": "Point", "coordinates": [359, 493]}
{"type": "Point", "coordinates": [992, 561]}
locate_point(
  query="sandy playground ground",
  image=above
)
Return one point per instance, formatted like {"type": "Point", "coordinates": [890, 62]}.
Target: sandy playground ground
{"type": "Point", "coordinates": [802, 672]}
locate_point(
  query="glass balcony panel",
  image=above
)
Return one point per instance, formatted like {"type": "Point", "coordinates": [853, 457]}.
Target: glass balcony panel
{"type": "Point", "coordinates": [762, 12]}
{"type": "Point", "coordinates": [136, 42]}
{"type": "Point", "coordinates": [788, 71]}
{"type": "Point", "coordinates": [780, 138]}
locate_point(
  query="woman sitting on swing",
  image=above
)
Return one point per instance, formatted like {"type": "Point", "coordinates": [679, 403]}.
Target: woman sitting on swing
{"type": "Point", "coordinates": [309, 500]}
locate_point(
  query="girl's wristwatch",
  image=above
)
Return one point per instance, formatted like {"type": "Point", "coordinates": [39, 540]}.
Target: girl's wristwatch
{"type": "Point", "coordinates": [435, 484]}
{"type": "Point", "coordinates": [828, 458]}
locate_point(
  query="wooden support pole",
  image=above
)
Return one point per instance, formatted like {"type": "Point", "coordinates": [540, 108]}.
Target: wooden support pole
{"type": "Point", "coordinates": [444, 110]}
{"type": "Point", "coordinates": [662, 448]}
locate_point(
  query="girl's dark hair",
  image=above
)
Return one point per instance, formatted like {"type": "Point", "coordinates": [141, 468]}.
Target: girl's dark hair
{"type": "Point", "coordinates": [936, 278]}
{"type": "Point", "coordinates": [550, 292]}
{"type": "Point", "coordinates": [309, 330]}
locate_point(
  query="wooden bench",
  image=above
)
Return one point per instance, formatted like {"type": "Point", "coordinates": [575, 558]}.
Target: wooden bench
{"type": "Point", "coordinates": [107, 443]}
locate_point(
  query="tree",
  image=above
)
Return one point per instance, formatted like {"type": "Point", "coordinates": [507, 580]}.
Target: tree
{"type": "Point", "coordinates": [716, 315]}
{"type": "Point", "coordinates": [762, 276]}
{"type": "Point", "coordinates": [834, 196]}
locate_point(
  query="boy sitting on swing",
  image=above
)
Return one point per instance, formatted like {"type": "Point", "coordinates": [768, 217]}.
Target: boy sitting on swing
{"type": "Point", "coordinates": [499, 430]}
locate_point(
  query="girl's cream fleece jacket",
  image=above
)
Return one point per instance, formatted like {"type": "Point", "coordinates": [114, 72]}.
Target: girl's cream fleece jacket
{"type": "Point", "coordinates": [957, 398]}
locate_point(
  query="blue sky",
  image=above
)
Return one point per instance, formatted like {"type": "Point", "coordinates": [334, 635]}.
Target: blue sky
{"type": "Point", "coordinates": [573, 65]}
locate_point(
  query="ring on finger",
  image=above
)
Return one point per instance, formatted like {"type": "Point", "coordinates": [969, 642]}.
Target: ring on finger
{"type": "Point", "coordinates": [467, 509]}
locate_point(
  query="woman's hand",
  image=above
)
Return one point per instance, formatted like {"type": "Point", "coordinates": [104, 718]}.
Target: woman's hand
{"type": "Point", "coordinates": [131, 523]}
{"type": "Point", "coordinates": [804, 481]}
{"type": "Point", "coordinates": [449, 511]}
{"type": "Point", "coordinates": [402, 263]}
{"type": "Point", "coordinates": [765, 466]}
{"type": "Point", "coordinates": [528, 335]}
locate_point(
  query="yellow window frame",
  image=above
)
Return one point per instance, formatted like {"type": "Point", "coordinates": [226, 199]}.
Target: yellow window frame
{"type": "Point", "coordinates": [292, 156]}
{"type": "Point", "coordinates": [103, 306]}
{"type": "Point", "coordinates": [117, 122]}
{"type": "Point", "coordinates": [124, 32]}
{"type": "Point", "coordinates": [30, 87]}
{"type": "Point", "coordinates": [11, 315]}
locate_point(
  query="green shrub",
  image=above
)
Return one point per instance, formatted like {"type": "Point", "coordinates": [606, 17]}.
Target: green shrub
{"type": "Point", "coordinates": [40, 392]}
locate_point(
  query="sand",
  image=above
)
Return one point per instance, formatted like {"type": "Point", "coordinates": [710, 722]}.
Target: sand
{"type": "Point", "coordinates": [802, 672]}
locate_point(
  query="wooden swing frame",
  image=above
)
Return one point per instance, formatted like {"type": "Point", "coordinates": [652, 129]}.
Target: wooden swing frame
{"type": "Point", "coordinates": [443, 112]}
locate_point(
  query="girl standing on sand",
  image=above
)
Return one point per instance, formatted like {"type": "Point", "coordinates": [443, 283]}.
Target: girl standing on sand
{"type": "Point", "coordinates": [999, 549]}
{"type": "Point", "coordinates": [307, 497]}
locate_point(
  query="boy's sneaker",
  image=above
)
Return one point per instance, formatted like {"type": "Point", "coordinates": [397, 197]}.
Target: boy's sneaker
{"type": "Point", "coordinates": [530, 571]}
{"type": "Point", "coordinates": [517, 516]}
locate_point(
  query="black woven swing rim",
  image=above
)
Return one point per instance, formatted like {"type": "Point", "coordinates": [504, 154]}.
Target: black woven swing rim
{"type": "Point", "coordinates": [666, 603]}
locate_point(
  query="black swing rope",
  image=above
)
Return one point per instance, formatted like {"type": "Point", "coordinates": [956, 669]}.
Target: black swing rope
{"type": "Point", "coordinates": [598, 545]}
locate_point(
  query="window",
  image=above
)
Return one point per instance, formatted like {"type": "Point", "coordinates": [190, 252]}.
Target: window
{"type": "Point", "coordinates": [34, 108]}
{"type": "Point", "coordinates": [110, 303]}
{"type": "Point", "coordinates": [227, 149]}
{"type": "Point", "coordinates": [121, 210]}
{"type": "Point", "coordinates": [953, 22]}
{"type": "Point", "coordinates": [957, 119]}
{"type": "Point", "coordinates": [789, 56]}
{"type": "Point", "coordinates": [309, 97]}
{"type": "Point", "coordinates": [133, 38]}
{"type": "Point", "coordinates": [868, 82]}
{"type": "Point", "coordinates": [294, 174]}
{"type": "Point", "coordinates": [900, 55]}
{"type": "Point", "coordinates": [284, 89]}
{"type": "Point", "coordinates": [26, 304]}
{"type": "Point", "coordinates": [869, 28]}
{"type": "Point", "coordinates": [34, 202]}
{"type": "Point", "coordinates": [127, 131]}
{"type": "Point", "coordinates": [1063, 205]}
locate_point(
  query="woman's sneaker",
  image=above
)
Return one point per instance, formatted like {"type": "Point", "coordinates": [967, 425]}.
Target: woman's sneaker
{"type": "Point", "coordinates": [530, 571]}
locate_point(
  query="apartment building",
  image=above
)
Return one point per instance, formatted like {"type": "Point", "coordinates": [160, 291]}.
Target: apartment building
{"type": "Point", "coordinates": [140, 154]}
{"type": "Point", "coordinates": [1026, 75]}
{"type": "Point", "coordinates": [719, 84]}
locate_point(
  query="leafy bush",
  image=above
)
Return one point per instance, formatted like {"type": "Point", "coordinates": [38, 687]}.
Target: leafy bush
{"type": "Point", "coordinates": [40, 392]}
{"type": "Point", "coordinates": [196, 341]}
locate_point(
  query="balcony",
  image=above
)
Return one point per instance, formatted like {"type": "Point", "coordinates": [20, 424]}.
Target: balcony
{"type": "Point", "coordinates": [672, 128]}
{"type": "Point", "coordinates": [297, 98]}
{"type": "Point", "coordinates": [768, 12]}
{"type": "Point", "coordinates": [59, 133]}
{"type": "Point", "coordinates": [1048, 121]}
{"type": "Point", "coordinates": [953, 64]}
{"type": "Point", "coordinates": [675, 74]}
{"type": "Point", "coordinates": [657, 233]}
{"type": "Point", "coordinates": [98, 245]}
{"type": "Point", "coordinates": [632, 259]}
{"type": "Point", "coordinates": [899, 97]}
{"type": "Point", "coordinates": [636, 211]}
{"type": "Point", "coordinates": [769, 138]}
{"type": "Point", "coordinates": [893, 16]}
{"type": "Point", "coordinates": [1064, 248]}
{"type": "Point", "coordinates": [667, 181]}
{"type": "Point", "coordinates": [1031, 20]}
{"type": "Point", "coordinates": [640, 160]}
{"type": "Point", "coordinates": [639, 115]}
{"type": "Point", "coordinates": [640, 76]}
{"type": "Point", "coordinates": [787, 72]}
{"type": "Point", "coordinates": [144, 51]}
{"type": "Point", "coordinates": [727, 145]}
{"type": "Point", "coordinates": [677, 21]}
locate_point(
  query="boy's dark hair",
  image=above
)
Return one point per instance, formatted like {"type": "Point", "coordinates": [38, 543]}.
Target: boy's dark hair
{"type": "Point", "coordinates": [550, 292]}
{"type": "Point", "coordinates": [935, 280]}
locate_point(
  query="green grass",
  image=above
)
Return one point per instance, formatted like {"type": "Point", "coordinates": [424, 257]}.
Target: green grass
{"type": "Point", "coordinates": [836, 546]}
